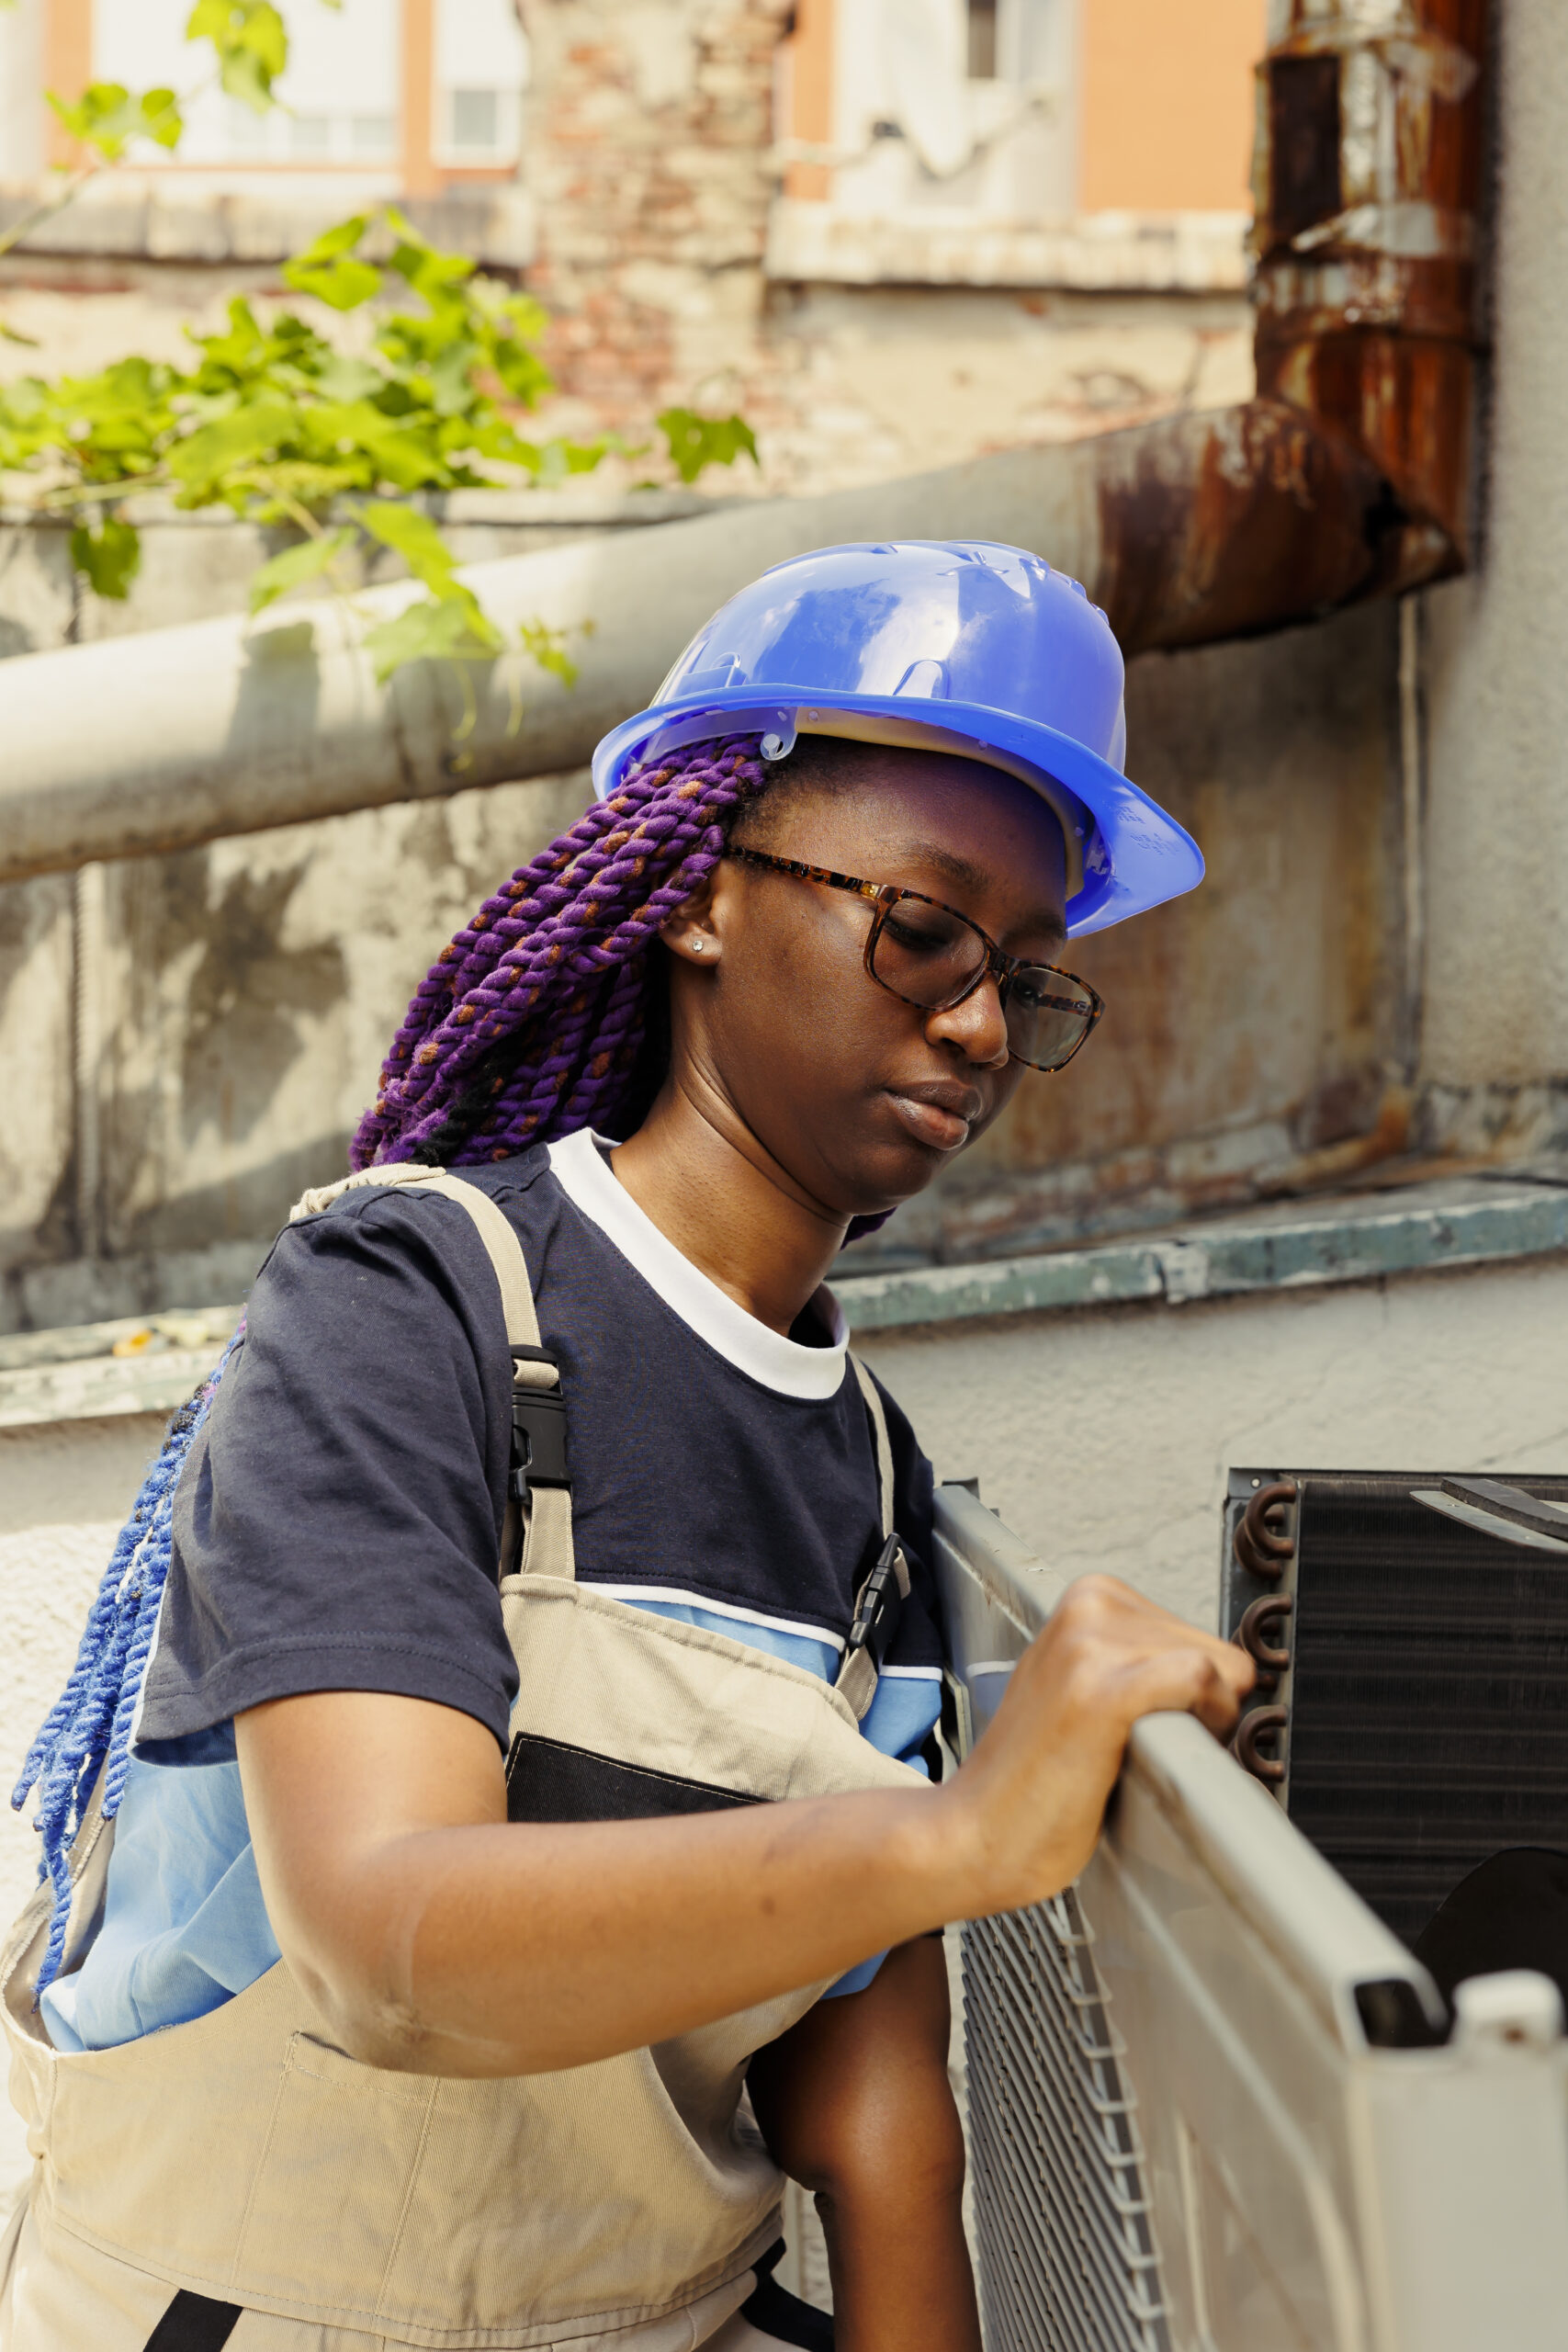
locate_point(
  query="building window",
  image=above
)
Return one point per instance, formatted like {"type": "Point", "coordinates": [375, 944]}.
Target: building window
{"type": "Point", "coordinates": [475, 121]}
{"type": "Point", "coordinates": [982, 41]}
{"type": "Point", "coordinates": [482, 71]}
{"type": "Point", "coordinates": [311, 137]}
{"type": "Point", "coordinates": [350, 53]}
{"type": "Point", "coordinates": [373, 134]}
{"type": "Point", "coordinates": [963, 108]}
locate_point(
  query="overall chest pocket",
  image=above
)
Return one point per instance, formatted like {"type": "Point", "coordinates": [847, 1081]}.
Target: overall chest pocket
{"type": "Point", "coordinates": [554, 1779]}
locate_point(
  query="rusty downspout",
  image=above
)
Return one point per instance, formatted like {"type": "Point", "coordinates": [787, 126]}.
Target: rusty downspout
{"type": "Point", "coordinates": [1348, 476]}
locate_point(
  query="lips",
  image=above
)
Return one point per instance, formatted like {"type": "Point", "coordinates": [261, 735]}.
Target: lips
{"type": "Point", "coordinates": [938, 1112]}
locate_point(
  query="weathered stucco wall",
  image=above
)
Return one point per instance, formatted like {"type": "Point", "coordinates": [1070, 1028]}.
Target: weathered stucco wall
{"type": "Point", "coordinates": [1253, 1031]}
{"type": "Point", "coordinates": [1104, 1437]}
{"type": "Point", "coordinates": [1497, 848]}
{"type": "Point", "coordinates": [243, 995]}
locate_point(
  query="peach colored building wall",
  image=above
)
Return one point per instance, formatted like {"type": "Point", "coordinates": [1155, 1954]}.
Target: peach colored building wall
{"type": "Point", "coordinates": [1165, 100]}
{"type": "Point", "coordinates": [68, 66]}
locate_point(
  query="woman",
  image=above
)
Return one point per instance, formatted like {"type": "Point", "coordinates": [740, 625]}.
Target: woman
{"type": "Point", "coordinates": [410, 1997]}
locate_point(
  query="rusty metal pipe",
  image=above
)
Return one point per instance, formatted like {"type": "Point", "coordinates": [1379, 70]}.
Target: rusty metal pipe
{"type": "Point", "coordinates": [1367, 183]}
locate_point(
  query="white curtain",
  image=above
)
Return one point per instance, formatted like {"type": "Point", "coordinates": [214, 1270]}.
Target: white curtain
{"type": "Point", "coordinates": [925, 49]}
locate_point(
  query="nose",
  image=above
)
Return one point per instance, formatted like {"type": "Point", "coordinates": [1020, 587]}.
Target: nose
{"type": "Point", "coordinates": [977, 1027]}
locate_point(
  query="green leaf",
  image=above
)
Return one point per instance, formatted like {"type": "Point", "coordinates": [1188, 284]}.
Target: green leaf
{"type": "Point", "coordinates": [105, 117]}
{"type": "Point", "coordinates": [243, 345]}
{"type": "Point", "coordinates": [547, 645]}
{"type": "Point", "coordinates": [298, 564]}
{"type": "Point", "coordinates": [161, 118]}
{"type": "Point", "coordinates": [343, 284]}
{"type": "Point", "coordinates": [249, 42]}
{"type": "Point", "coordinates": [415, 537]}
{"type": "Point", "coordinates": [439, 630]}
{"type": "Point", "coordinates": [342, 238]}
{"type": "Point", "coordinates": [205, 456]}
{"type": "Point", "coordinates": [110, 556]}
{"type": "Point", "coordinates": [523, 373]}
{"type": "Point", "coordinates": [343, 379]}
{"type": "Point", "coordinates": [697, 441]}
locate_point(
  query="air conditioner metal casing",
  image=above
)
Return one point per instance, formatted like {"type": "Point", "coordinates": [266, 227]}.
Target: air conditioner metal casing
{"type": "Point", "coordinates": [1297, 2187]}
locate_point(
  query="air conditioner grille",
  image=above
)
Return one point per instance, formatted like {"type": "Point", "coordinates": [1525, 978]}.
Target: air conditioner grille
{"type": "Point", "coordinates": [1067, 2259]}
{"type": "Point", "coordinates": [1429, 1702]}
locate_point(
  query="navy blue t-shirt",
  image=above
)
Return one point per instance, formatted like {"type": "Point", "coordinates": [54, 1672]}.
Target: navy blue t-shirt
{"type": "Point", "coordinates": [339, 1523]}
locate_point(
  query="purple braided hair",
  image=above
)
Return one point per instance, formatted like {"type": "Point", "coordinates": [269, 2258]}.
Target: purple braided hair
{"type": "Point", "coordinates": [530, 1024]}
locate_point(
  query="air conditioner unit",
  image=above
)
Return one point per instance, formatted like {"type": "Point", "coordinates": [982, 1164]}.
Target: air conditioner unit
{"type": "Point", "coordinates": [1215, 2103]}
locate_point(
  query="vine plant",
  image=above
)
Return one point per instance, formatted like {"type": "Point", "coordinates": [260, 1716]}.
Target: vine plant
{"type": "Point", "coordinates": [276, 422]}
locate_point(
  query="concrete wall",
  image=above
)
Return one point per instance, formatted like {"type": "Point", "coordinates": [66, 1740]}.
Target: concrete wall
{"type": "Point", "coordinates": [1495, 1048]}
{"type": "Point", "coordinates": [239, 999]}
{"type": "Point", "coordinates": [1102, 1437]}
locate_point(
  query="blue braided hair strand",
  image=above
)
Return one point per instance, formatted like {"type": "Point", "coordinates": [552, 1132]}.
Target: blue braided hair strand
{"type": "Point", "coordinates": [90, 1724]}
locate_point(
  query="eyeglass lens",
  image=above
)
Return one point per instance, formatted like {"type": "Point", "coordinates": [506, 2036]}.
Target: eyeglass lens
{"type": "Point", "coordinates": [930, 956]}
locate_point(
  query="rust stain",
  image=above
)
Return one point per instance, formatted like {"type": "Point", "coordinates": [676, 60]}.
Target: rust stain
{"type": "Point", "coordinates": [1349, 475]}
{"type": "Point", "coordinates": [1366, 179]}
{"type": "Point", "coordinates": [1226, 524]}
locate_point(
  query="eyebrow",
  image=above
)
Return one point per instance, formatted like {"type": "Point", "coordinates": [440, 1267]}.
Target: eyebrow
{"type": "Point", "coordinates": [966, 875]}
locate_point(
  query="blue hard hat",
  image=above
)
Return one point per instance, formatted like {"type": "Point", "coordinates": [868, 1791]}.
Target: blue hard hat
{"type": "Point", "coordinates": [952, 645]}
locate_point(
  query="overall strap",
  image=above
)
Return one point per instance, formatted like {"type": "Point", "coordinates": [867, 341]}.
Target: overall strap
{"type": "Point", "coordinates": [880, 1602]}
{"type": "Point", "coordinates": [538, 1477]}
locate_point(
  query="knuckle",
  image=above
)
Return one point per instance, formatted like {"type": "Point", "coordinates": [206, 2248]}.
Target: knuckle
{"type": "Point", "coordinates": [1088, 1604]}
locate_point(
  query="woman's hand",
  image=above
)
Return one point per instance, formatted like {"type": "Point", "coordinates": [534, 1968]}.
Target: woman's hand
{"type": "Point", "coordinates": [1027, 1806]}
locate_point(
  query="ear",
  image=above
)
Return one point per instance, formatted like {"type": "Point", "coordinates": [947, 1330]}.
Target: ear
{"type": "Point", "coordinates": [691, 932]}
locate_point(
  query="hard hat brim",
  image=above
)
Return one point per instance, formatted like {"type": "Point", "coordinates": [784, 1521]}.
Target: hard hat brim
{"type": "Point", "coordinates": [1132, 855]}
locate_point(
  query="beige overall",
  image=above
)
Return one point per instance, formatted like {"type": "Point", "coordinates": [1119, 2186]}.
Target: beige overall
{"type": "Point", "coordinates": [247, 2159]}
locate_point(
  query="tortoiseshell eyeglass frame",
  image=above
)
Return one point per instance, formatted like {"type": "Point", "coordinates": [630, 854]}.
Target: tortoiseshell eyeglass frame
{"type": "Point", "coordinates": [885, 896]}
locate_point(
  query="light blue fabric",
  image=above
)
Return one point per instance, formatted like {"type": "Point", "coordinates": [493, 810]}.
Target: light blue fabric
{"type": "Point", "coordinates": [185, 1927]}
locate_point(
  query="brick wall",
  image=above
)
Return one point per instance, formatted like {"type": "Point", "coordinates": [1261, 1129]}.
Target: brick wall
{"type": "Point", "coordinates": [648, 157]}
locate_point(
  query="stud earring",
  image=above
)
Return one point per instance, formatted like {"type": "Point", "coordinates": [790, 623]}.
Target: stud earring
{"type": "Point", "coordinates": [699, 946]}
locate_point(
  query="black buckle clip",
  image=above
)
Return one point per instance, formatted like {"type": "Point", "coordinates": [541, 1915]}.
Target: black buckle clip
{"type": "Point", "coordinates": [538, 1430]}
{"type": "Point", "coordinates": [879, 1607]}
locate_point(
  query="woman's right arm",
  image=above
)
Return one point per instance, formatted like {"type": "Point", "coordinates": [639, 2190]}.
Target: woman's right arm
{"type": "Point", "coordinates": [438, 1937]}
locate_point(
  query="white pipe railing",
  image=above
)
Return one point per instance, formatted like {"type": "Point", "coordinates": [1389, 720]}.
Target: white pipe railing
{"type": "Point", "coordinates": [178, 736]}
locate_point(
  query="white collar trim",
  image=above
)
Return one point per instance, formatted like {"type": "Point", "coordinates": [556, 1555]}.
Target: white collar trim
{"type": "Point", "coordinates": [813, 1374]}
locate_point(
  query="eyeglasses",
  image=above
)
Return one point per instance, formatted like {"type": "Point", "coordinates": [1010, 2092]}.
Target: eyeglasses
{"type": "Point", "coordinates": [928, 954]}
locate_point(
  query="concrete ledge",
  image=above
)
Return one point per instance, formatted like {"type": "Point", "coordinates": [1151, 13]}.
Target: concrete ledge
{"type": "Point", "coordinates": [586, 505]}
{"type": "Point", "coordinates": [1181, 253]}
{"type": "Point", "coordinates": [150, 1363]}
{"type": "Point", "coordinates": [197, 216]}
{"type": "Point", "coordinates": [140, 1364]}
{"type": "Point", "coordinates": [1466, 1223]}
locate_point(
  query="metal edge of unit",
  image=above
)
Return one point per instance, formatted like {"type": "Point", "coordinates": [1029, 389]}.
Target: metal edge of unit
{"type": "Point", "coordinates": [1318, 1925]}
{"type": "Point", "coordinates": [1012, 1576]}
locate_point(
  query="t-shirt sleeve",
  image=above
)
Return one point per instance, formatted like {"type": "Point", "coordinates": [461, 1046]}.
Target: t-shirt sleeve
{"type": "Point", "coordinates": [338, 1523]}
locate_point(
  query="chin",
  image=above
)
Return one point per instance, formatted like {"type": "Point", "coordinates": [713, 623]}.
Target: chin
{"type": "Point", "coordinates": [898, 1175]}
